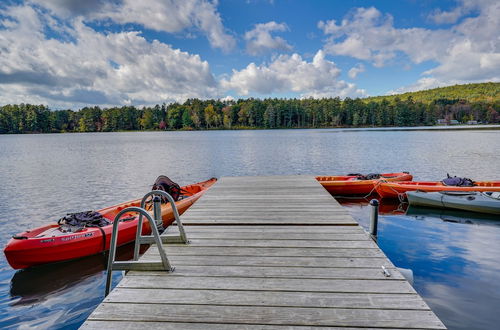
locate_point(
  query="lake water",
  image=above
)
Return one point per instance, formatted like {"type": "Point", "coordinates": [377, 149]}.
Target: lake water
{"type": "Point", "coordinates": [42, 177]}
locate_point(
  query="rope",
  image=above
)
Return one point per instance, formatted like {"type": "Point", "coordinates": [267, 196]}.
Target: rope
{"type": "Point", "coordinates": [103, 239]}
{"type": "Point", "coordinates": [365, 197]}
{"type": "Point", "coordinates": [400, 207]}
{"type": "Point", "coordinates": [401, 195]}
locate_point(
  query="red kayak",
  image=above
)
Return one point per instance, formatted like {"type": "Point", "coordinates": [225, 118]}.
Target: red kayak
{"type": "Point", "coordinates": [358, 184]}
{"type": "Point", "coordinates": [60, 242]}
{"type": "Point", "coordinates": [396, 189]}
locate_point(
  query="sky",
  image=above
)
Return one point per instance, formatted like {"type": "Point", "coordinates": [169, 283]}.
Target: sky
{"type": "Point", "coordinates": [73, 53]}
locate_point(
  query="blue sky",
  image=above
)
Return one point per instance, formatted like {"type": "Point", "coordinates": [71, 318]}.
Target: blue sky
{"type": "Point", "coordinates": [72, 53]}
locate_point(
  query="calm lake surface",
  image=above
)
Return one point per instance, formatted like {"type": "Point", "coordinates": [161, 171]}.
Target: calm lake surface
{"type": "Point", "coordinates": [454, 257]}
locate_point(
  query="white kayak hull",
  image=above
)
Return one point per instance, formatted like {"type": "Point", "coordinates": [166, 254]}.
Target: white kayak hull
{"type": "Point", "coordinates": [468, 201]}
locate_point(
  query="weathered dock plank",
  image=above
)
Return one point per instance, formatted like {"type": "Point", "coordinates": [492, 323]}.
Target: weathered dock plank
{"type": "Point", "coordinates": [283, 243]}
{"type": "Point", "coordinates": [266, 261]}
{"type": "Point", "coordinates": [267, 253]}
{"type": "Point", "coordinates": [278, 272]}
{"type": "Point", "coordinates": [284, 236]}
{"type": "Point", "coordinates": [273, 252]}
{"type": "Point", "coordinates": [271, 315]}
{"type": "Point", "coordinates": [270, 298]}
{"type": "Point", "coordinates": [277, 229]}
{"type": "Point", "coordinates": [133, 325]}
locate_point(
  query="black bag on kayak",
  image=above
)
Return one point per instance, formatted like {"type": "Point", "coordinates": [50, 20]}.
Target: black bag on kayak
{"type": "Point", "coordinates": [84, 219]}
{"type": "Point", "coordinates": [369, 176]}
{"type": "Point", "coordinates": [457, 182]}
{"type": "Point", "coordinates": [165, 184]}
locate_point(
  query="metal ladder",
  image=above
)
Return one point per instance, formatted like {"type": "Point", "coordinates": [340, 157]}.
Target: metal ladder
{"type": "Point", "coordinates": [155, 238]}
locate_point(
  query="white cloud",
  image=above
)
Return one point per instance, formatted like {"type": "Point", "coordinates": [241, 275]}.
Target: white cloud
{"type": "Point", "coordinates": [466, 52]}
{"type": "Point", "coordinates": [259, 40]}
{"type": "Point", "coordinates": [466, 63]}
{"type": "Point", "coordinates": [318, 78]}
{"type": "Point", "coordinates": [227, 98]}
{"type": "Point", "coordinates": [70, 8]}
{"type": "Point", "coordinates": [446, 17]}
{"type": "Point", "coordinates": [112, 69]}
{"type": "Point", "coordinates": [421, 84]}
{"type": "Point", "coordinates": [83, 66]}
{"type": "Point", "coordinates": [366, 34]}
{"type": "Point", "coordinates": [464, 7]}
{"type": "Point", "coordinates": [355, 70]}
{"type": "Point", "coordinates": [170, 16]}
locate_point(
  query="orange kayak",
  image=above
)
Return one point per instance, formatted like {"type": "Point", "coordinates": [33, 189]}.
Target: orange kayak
{"type": "Point", "coordinates": [55, 242]}
{"type": "Point", "coordinates": [357, 184]}
{"type": "Point", "coordinates": [395, 189]}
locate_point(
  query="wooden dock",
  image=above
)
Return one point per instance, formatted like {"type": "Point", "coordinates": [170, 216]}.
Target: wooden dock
{"type": "Point", "coordinates": [267, 253]}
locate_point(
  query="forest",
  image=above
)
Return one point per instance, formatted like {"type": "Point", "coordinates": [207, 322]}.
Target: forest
{"type": "Point", "coordinates": [462, 103]}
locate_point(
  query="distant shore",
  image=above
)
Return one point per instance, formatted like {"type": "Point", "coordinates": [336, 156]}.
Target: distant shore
{"type": "Point", "coordinates": [426, 128]}
{"type": "Point", "coordinates": [333, 129]}
{"type": "Point", "coordinates": [472, 105]}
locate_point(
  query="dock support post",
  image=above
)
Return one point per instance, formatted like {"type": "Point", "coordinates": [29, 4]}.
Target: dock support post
{"type": "Point", "coordinates": [157, 213]}
{"type": "Point", "coordinates": [374, 219]}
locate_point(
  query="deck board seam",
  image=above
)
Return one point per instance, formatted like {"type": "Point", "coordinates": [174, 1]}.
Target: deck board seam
{"type": "Point", "coordinates": [274, 306]}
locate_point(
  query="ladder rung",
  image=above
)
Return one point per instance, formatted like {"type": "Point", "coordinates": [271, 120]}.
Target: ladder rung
{"type": "Point", "coordinates": [164, 239]}
{"type": "Point", "coordinates": [139, 265]}
{"type": "Point", "coordinates": [172, 239]}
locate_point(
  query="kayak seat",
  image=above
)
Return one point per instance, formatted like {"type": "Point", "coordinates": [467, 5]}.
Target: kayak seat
{"type": "Point", "coordinates": [165, 184]}
{"type": "Point", "coordinates": [493, 194]}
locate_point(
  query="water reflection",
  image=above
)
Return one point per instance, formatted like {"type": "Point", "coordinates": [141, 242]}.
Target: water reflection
{"type": "Point", "coordinates": [386, 206]}
{"type": "Point", "coordinates": [38, 284]}
{"type": "Point", "coordinates": [453, 255]}
{"type": "Point", "coordinates": [61, 173]}
{"type": "Point", "coordinates": [456, 216]}
{"type": "Point", "coordinates": [63, 293]}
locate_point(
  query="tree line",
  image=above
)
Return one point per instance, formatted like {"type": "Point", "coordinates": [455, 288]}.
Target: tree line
{"type": "Point", "coordinates": [248, 113]}
{"type": "Point", "coordinates": [478, 92]}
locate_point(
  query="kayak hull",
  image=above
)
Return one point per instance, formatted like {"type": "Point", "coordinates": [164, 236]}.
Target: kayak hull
{"type": "Point", "coordinates": [47, 244]}
{"type": "Point", "coordinates": [396, 189]}
{"type": "Point", "coordinates": [467, 201]}
{"type": "Point", "coordinates": [350, 185]}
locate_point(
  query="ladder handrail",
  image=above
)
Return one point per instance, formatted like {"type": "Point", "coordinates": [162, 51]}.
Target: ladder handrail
{"type": "Point", "coordinates": [183, 236]}
{"type": "Point", "coordinates": [114, 239]}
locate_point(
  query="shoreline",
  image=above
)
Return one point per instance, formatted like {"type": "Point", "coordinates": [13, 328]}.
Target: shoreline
{"type": "Point", "coordinates": [335, 129]}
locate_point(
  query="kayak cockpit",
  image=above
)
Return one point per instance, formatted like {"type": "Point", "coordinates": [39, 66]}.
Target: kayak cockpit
{"type": "Point", "coordinates": [492, 194]}
{"type": "Point", "coordinates": [53, 230]}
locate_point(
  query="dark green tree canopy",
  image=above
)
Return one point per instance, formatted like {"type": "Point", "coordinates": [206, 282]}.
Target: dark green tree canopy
{"type": "Point", "coordinates": [462, 103]}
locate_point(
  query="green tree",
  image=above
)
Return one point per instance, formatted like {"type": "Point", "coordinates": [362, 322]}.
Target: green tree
{"type": "Point", "coordinates": [174, 116]}
{"type": "Point", "coordinates": [187, 122]}
{"type": "Point", "coordinates": [90, 120]}
{"type": "Point", "coordinates": [227, 117]}
{"type": "Point", "coordinates": [270, 117]}
{"type": "Point", "coordinates": [148, 120]}
{"type": "Point", "coordinates": [212, 118]}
